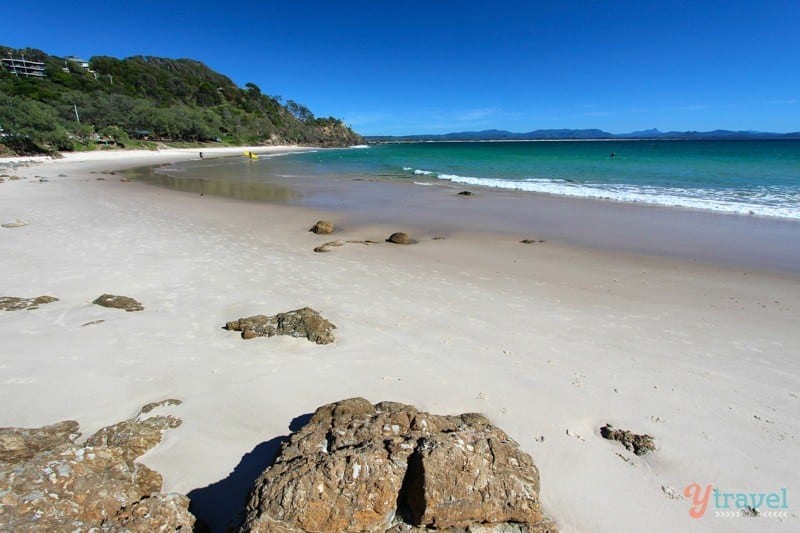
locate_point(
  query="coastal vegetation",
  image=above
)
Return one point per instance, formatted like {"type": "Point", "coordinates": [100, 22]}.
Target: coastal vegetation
{"type": "Point", "coordinates": [142, 100]}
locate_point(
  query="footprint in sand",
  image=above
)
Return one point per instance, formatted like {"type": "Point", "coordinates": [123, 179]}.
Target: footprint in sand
{"type": "Point", "coordinates": [19, 381]}
{"type": "Point", "coordinates": [574, 435]}
{"type": "Point", "coordinates": [671, 493]}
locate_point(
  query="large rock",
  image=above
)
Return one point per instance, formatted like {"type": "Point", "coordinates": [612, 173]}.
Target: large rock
{"type": "Point", "coordinates": [304, 322]}
{"type": "Point", "coordinates": [118, 302]}
{"type": "Point", "coordinates": [388, 467]}
{"type": "Point", "coordinates": [50, 483]}
{"type": "Point", "coordinates": [15, 303]}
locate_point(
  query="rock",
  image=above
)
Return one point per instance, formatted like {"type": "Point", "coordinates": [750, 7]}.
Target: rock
{"type": "Point", "coordinates": [157, 512]}
{"type": "Point", "coordinates": [50, 483]}
{"type": "Point", "coordinates": [14, 303]}
{"type": "Point", "coordinates": [118, 302]}
{"type": "Point", "coordinates": [21, 444]}
{"type": "Point", "coordinates": [43, 180]}
{"type": "Point", "coordinates": [16, 224]}
{"type": "Point", "coordinates": [465, 193]}
{"type": "Point", "coordinates": [101, 179]}
{"type": "Point", "coordinates": [531, 241]}
{"type": "Point", "coordinates": [322, 227]}
{"type": "Point", "coordinates": [327, 246]}
{"type": "Point", "coordinates": [638, 444]}
{"type": "Point", "coordinates": [13, 178]}
{"type": "Point", "coordinates": [163, 403]}
{"type": "Point", "coordinates": [388, 467]}
{"type": "Point", "coordinates": [399, 238]}
{"type": "Point", "coordinates": [303, 322]}
{"type": "Point", "coordinates": [332, 244]}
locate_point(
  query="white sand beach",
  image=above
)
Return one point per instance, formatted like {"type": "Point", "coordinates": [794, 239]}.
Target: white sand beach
{"type": "Point", "coordinates": [550, 341]}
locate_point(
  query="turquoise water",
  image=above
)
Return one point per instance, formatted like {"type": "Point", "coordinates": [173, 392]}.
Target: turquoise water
{"type": "Point", "coordinates": [745, 177]}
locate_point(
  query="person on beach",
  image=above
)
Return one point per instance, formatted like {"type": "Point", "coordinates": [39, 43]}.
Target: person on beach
{"type": "Point", "coordinates": [201, 155]}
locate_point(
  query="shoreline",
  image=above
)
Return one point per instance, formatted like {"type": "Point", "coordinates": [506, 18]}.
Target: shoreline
{"type": "Point", "coordinates": [716, 238]}
{"type": "Point", "coordinates": [549, 340]}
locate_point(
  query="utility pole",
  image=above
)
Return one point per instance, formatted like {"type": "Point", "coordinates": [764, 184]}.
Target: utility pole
{"type": "Point", "coordinates": [77, 117]}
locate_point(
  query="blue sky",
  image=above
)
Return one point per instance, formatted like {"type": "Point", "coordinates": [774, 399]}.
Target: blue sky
{"type": "Point", "coordinates": [440, 66]}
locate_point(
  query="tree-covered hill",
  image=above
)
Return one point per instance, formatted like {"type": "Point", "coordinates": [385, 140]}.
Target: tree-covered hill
{"type": "Point", "coordinates": [147, 98]}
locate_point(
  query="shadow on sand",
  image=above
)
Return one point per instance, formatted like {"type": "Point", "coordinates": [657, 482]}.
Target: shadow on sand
{"type": "Point", "coordinates": [218, 506]}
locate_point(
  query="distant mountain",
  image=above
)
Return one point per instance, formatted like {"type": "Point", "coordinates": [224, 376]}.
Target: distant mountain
{"type": "Point", "coordinates": [570, 134]}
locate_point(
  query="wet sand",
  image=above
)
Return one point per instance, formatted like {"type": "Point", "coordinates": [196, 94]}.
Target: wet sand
{"type": "Point", "coordinates": [749, 242]}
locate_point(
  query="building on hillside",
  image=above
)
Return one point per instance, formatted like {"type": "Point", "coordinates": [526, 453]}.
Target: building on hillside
{"type": "Point", "coordinates": [82, 62]}
{"type": "Point", "coordinates": [23, 67]}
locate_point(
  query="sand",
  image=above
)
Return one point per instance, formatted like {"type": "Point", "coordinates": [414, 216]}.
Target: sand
{"type": "Point", "coordinates": [551, 341]}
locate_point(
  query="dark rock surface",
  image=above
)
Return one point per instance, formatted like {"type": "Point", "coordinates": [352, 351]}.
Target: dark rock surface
{"type": "Point", "coordinates": [465, 193]}
{"type": "Point", "coordinates": [304, 322]}
{"type": "Point", "coordinates": [14, 303]}
{"type": "Point", "coordinates": [322, 227]}
{"type": "Point", "coordinates": [638, 444]}
{"type": "Point", "coordinates": [118, 302]}
{"type": "Point", "coordinates": [50, 483]}
{"type": "Point", "coordinates": [399, 238]}
{"type": "Point", "coordinates": [388, 467]}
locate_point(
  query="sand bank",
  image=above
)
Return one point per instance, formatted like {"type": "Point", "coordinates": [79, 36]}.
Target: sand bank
{"type": "Point", "coordinates": [550, 341]}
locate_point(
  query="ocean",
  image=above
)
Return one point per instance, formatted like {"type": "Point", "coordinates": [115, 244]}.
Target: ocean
{"type": "Point", "coordinates": [759, 177]}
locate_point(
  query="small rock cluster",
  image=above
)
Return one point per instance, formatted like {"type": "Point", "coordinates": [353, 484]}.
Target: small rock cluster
{"type": "Point", "coordinates": [304, 322]}
{"type": "Point", "coordinates": [50, 483]}
{"type": "Point", "coordinates": [14, 303]}
{"type": "Point", "coordinates": [638, 444]}
{"type": "Point", "coordinates": [15, 224]}
{"type": "Point", "coordinates": [389, 467]}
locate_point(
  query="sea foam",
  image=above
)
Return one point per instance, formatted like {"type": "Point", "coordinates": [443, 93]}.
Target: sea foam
{"type": "Point", "coordinates": [763, 202]}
